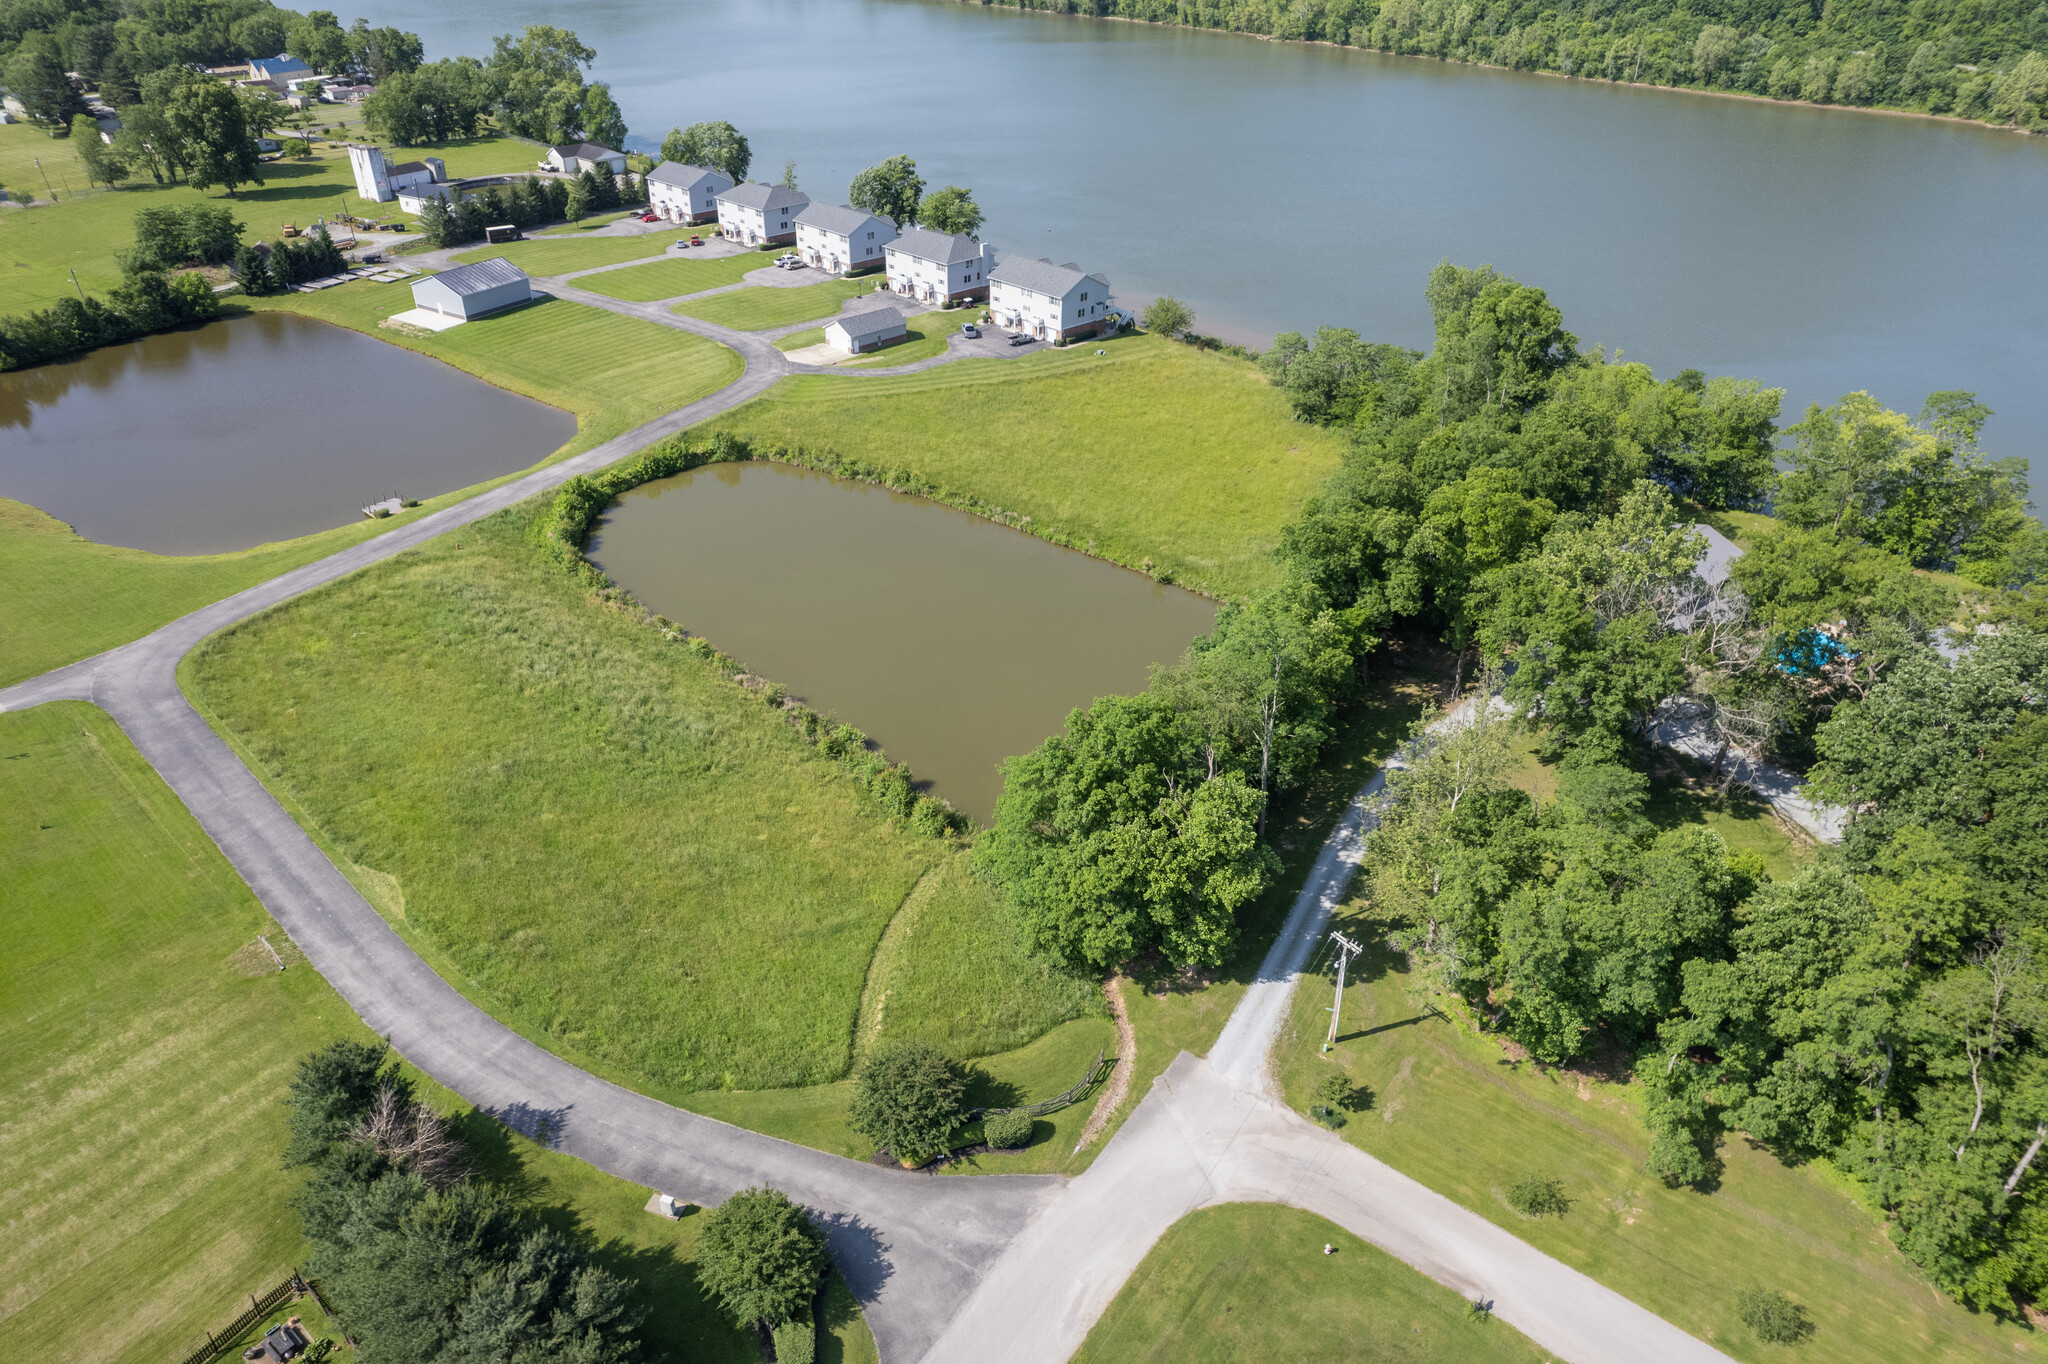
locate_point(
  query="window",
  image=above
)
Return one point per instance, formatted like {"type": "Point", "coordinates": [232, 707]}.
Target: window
{"type": "Point", "coordinates": [1084, 298]}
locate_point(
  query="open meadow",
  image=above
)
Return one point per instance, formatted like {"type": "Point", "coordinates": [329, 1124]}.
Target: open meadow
{"type": "Point", "coordinates": [69, 597]}
{"type": "Point", "coordinates": [672, 277]}
{"type": "Point", "coordinates": [1249, 1281]}
{"type": "Point", "coordinates": [146, 1037]}
{"type": "Point", "coordinates": [760, 307]}
{"type": "Point", "coordinates": [1154, 455]}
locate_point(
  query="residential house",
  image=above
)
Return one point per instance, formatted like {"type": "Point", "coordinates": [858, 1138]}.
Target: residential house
{"type": "Point", "coordinates": [759, 215]}
{"type": "Point", "coordinates": [935, 267]}
{"type": "Point", "coordinates": [841, 238]}
{"type": "Point", "coordinates": [1050, 302]}
{"type": "Point", "coordinates": [866, 331]}
{"type": "Point", "coordinates": [278, 69]}
{"type": "Point", "coordinates": [574, 158]}
{"type": "Point", "coordinates": [470, 291]}
{"type": "Point", "coordinates": [686, 194]}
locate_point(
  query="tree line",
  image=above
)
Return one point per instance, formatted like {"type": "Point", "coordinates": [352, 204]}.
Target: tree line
{"type": "Point", "coordinates": [1533, 505]}
{"type": "Point", "coordinates": [1981, 61]}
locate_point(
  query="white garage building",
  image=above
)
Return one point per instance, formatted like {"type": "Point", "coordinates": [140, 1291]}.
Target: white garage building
{"type": "Point", "coordinates": [470, 291]}
{"type": "Point", "coordinates": [865, 331]}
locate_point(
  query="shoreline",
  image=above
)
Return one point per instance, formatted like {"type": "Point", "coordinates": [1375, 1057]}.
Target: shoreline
{"type": "Point", "coordinates": [1520, 71]}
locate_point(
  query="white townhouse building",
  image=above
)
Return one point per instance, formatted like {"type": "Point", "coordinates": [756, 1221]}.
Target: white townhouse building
{"type": "Point", "coordinates": [573, 158]}
{"type": "Point", "coordinates": [841, 238]}
{"type": "Point", "coordinates": [758, 214]}
{"type": "Point", "coordinates": [935, 267]}
{"type": "Point", "coordinates": [1051, 302]}
{"type": "Point", "coordinates": [685, 194]}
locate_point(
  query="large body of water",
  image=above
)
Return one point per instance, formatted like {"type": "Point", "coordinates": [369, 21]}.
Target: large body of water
{"type": "Point", "coordinates": [952, 641]}
{"type": "Point", "coordinates": [252, 429]}
{"type": "Point", "coordinates": [1282, 186]}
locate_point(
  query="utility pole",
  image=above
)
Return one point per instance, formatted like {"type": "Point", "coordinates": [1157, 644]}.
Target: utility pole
{"type": "Point", "coordinates": [76, 285]}
{"type": "Point", "coordinates": [1346, 950]}
{"type": "Point", "coordinates": [46, 178]}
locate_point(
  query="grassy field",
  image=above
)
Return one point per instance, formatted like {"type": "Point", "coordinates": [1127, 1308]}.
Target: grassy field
{"type": "Point", "coordinates": [82, 230]}
{"type": "Point", "coordinates": [145, 1038]}
{"type": "Point", "coordinates": [594, 834]}
{"type": "Point", "coordinates": [672, 277]}
{"type": "Point", "coordinates": [1452, 1109]}
{"type": "Point", "coordinates": [559, 254]}
{"type": "Point", "coordinates": [69, 598]}
{"type": "Point", "coordinates": [1250, 1281]}
{"type": "Point", "coordinates": [926, 337]}
{"type": "Point", "coordinates": [1155, 451]}
{"type": "Point", "coordinates": [761, 307]}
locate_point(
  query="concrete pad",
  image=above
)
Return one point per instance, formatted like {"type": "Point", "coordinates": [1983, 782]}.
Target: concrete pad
{"type": "Point", "coordinates": [824, 353]}
{"type": "Point", "coordinates": [427, 319]}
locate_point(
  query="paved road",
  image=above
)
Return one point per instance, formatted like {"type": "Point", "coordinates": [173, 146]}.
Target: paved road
{"type": "Point", "coordinates": [1032, 1259]}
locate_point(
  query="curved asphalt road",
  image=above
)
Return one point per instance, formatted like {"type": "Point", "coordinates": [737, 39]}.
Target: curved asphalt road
{"type": "Point", "coordinates": [918, 1251]}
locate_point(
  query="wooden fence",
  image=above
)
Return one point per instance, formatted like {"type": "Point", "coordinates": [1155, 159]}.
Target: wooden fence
{"type": "Point", "coordinates": [1053, 1105]}
{"type": "Point", "coordinates": [259, 1303]}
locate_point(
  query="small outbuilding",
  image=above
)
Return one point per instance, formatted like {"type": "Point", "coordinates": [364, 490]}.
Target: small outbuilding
{"type": "Point", "coordinates": [471, 291]}
{"type": "Point", "coordinates": [860, 332]}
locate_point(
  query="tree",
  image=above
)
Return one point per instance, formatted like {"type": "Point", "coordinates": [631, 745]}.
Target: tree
{"type": "Point", "coordinates": [212, 129]}
{"type": "Point", "coordinates": [603, 123]}
{"type": "Point", "coordinates": [252, 270]}
{"type": "Point", "coordinates": [891, 189]}
{"type": "Point", "coordinates": [951, 210]}
{"type": "Point", "coordinates": [332, 1091]}
{"type": "Point", "coordinates": [761, 1256]}
{"type": "Point", "coordinates": [578, 205]}
{"type": "Point", "coordinates": [35, 76]}
{"type": "Point", "coordinates": [381, 53]}
{"type": "Point", "coordinates": [539, 79]}
{"type": "Point", "coordinates": [719, 146]}
{"type": "Point", "coordinates": [320, 42]}
{"type": "Point", "coordinates": [102, 163]}
{"type": "Point", "coordinates": [1168, 316]}
{"type": "Point", "coordinates": [909, 1098]}
{"type": "Point", "coordinates": [146, 140]}
{"type": "Point", "coordinates": [788, 180]}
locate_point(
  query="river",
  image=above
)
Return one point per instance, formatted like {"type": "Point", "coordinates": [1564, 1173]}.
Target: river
{"type": "Point", "coordinates": [1281, 186]}
{"type": "Point", "coordinates": [252, 429]}
{"type": "Point", "coordinates": [952, 641]}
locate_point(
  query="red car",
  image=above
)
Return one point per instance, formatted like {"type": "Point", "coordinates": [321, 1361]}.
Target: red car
{"type": "Point", "coordinates": [650, 217]}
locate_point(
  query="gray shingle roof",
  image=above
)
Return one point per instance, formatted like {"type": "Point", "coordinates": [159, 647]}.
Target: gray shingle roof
{"type": "Point", "coordinates": [583, 151]}
{"type": "Point", "coordinates": [869, 322]}
{"type": "Point", "coordinates": [945, 249]}
{"type": "Point", "coordinates": [684, 177]}
{"type": "Point", "coordinates": [767, 198]}
{"type": "Point", "coordinates": [843, 219]}
{"type": "Point", "coordinates": [1041, 276]}
{"type": "Point", "coordinates": [485, 274]}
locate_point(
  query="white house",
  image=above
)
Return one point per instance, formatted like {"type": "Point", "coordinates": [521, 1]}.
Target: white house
{"type": "Point", "coordinates": [1051, 302]}
{"type": "Point", "coordinates": [470, 291]}
{"type": "Point", "coordinates": [758, 214]}
{"type": "Point", "coordinates": [572, 158]}
{"type": "Point", "coordinates": [934, 267]}
{"type": "Point", "coordinates": [865, 331]}
{"type": "Point", "coordinates": [841, 238]}
{"type": "Point", "coordinates": [414, 199]}
{"type": "Point", "coordinates": [685, 194]}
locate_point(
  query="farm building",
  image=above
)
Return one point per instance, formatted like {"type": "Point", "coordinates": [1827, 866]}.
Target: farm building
{"type": "Point", "coordinates": [470, 291]}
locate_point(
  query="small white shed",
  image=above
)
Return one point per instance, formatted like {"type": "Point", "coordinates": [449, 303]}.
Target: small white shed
{"type": "Point", "coordinates": [866, 331]}
{"type": "Point", "coordinates": [470, 291]}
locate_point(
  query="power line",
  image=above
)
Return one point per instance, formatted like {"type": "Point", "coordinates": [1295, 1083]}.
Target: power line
{"type": "Point", "coordinates": [1347, 949]}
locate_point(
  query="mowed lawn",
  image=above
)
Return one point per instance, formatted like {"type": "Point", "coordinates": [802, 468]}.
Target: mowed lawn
{"type": "Point", "coordinates": [1153, 451]}
{"type": "Point", "coordinates": [762, 306]}
{"type": "Point", "coordinates": [1249, 1281]}
{"type": "Point", "coordinates": [84, 229]}
{"type": "Point", "coordinates": [68, 598]}
{"type": "Point", "coordinates": [146, 1038]}
{"type": "Point", "coordinates": [570, 251]}
{"type": "Point", "coordinates": [1450, 1108]}
{"type": "Point", "coordinates": [598, 836]}
{"type": "Point", "coordinates": [672, 277]}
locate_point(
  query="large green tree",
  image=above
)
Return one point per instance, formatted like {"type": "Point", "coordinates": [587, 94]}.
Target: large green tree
{"type": "Point", "coordinates": [892, 189]}
{"type": "Point", "coordinates": [717, 145]}
{"type": "Point", "coordinates": [761, 1256]}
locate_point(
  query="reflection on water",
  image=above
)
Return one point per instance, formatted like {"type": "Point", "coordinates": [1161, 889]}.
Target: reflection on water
{"type": "Point", "coordinates": [952, 641]}
{"type": "Point", "coordinates": [252, 429]}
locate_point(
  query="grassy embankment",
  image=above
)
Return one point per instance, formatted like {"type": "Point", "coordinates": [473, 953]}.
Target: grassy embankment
{"type": "Point", "coordinates": [763, 306]}
{"type": "Point", "coordinates": [1250, 1281]}
{"type": "Point", "coordinates": [146, 1037]}
{"type": "Point", "coordinates": [70, 597]}
{"type": "Point", "coordinates": [672, 277]}
{"type": "Point", "coordinates": [1155, 451]}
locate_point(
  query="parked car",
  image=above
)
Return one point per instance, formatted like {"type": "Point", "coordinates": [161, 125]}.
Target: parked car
{"type": "Point", "coordinates": [1019, 339]}
{"type": "Point", "coordinates": [970, 331]}
{"type": "Point", "coordinates": [650, 217]}
{"type": "Point", "coordinates": [696, 240]}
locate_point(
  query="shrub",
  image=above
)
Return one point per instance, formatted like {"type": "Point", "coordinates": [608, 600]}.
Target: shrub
{"type": "Point", "coordinates": [796, 1340]}
{"type": "Point", "coordinates": [760, 1256]}
{"type": "Point", "coordinates": [1538, 1196]}
{"type": "Point", "coordinates": [1775, 1318]}
{"type": "Point", "coordinates": [1168, 316]}
{"type": "Point", "coordinates": [933, 819]}
{"type": "Point", "coordinates": [907, 1097]}
{"type": "Point", "coordinates": [1331, 1101]}
{"type": "Point", "coordinates": [1007, 1131]}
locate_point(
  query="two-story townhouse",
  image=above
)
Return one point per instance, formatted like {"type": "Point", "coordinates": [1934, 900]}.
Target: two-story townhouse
{"type": "Point", "coordinates": [937, 267]}
{"type": "Point", "coordinates": [756, 214]}
{"type": "Point", "coordinates": [1050, 302]}
{"type": "Point", "coordinates": [685, 194]}
{"type": "Point", "coordinates": [841, 238]}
